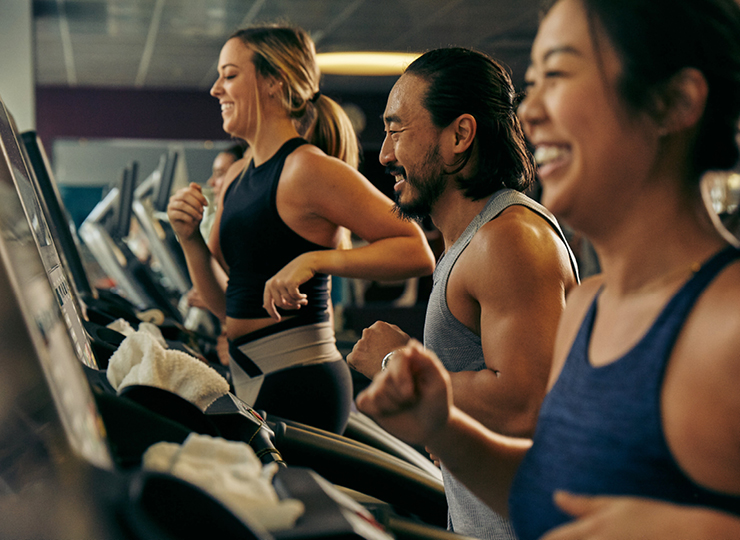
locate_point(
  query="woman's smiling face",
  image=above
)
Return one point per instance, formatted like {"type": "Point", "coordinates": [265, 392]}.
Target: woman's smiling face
{"type": "Point", "coordinates": [589, 146]}
{"type": "Point", "coordinates": [236, 89]}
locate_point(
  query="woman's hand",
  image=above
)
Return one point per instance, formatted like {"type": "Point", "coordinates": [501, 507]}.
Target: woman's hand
{"type": "Point", "coordinates": [185, 211]}
{"type": "Point", "coordinates": [616, 518]}
{"type": "Point", "coordinates": [412, 398]}
{"type": "Point", "coordinates": [282, 289]}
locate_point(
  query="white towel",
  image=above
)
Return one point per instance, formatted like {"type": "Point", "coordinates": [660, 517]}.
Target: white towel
{"type": "Point", "coordinates": [122, 326]}
{"type": "Point", "coordinates": [231, 472]}
{"type": "Point", "coordinates": [140, 359]}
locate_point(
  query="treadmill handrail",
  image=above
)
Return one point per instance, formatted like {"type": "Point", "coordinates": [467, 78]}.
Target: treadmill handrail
{"type": "Point", "coordinates": [103, 247]}
{"type": "Point", "coordinates": [169, 266]}
{"type": "Point", "coordinates": [101, 210]}
{"type": "Point", "coordinates": [367, 470]}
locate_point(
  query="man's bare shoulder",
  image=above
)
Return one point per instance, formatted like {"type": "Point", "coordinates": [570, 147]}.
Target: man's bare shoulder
{"type": "Point", "coordinates": [521, 242]}
{"type": "Point", "coordinates": [516, 224]}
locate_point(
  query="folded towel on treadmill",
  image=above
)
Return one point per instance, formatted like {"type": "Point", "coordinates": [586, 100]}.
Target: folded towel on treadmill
{"type": "Point", "coordinates": [141, 359]}
{"type": "Point", "coordinates": [229, 471]}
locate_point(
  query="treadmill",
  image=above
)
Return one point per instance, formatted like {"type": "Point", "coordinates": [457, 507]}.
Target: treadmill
{"type": "Point", "coordinates": [98, 307]}
{"type": "Point", "coordinates": [101, 305]}
{"type": "Point", "coordinates": [149, 207]}
{"type": "Point", "coordinates": [342, 461]}
{"type": "Point", "coordinates": [58, 466]}
{"type": "Point", "coordinates": [104, 231]}
{"type": "Point", "coordinates": [145, 203]}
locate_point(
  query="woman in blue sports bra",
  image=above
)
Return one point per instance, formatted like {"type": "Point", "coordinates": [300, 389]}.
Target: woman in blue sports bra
{"type": "Point", "coordinates": [278, 228]}
{"type": "Point", "coordinates": [629, 103]}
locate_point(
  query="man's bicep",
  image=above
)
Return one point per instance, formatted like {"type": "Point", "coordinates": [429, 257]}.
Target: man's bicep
{"type": "Point", "coordinates": [521, 366]}
{"type": "Point", "coordinates": [520, 311]}
{"type": "Point", "coordinates": [518, 336]}
{"type": "Point", "coordinates": [520, 304]}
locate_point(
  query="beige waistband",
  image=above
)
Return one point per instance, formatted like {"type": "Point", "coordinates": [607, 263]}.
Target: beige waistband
{"type": "Point", "coordinates": [302, 346]}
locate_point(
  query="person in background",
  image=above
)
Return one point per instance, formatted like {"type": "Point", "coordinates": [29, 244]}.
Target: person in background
{"type": "Point", "coordinates": [628, 104]}
{"type": "Point", "coordinates": [458, 155]}
{"type": "Point", "coordinates": [277, 231]}
{"type": "Point", "coordinates": [221, 165]}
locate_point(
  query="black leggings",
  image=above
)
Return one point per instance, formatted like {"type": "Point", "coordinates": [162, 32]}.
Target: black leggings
{"type": "Point", "coordinates": [318, 395]}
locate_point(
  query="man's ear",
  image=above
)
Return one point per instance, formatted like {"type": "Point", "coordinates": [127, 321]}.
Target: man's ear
{"type": "Point", "coordinates": [682, 102]}
{"type": "Point", "coordinates": [462, 132]}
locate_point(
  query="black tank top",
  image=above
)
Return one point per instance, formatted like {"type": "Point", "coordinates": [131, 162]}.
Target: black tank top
{"type": "Point", "coordinates": [256, 243]}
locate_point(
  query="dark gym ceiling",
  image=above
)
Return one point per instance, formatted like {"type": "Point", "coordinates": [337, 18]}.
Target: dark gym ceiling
{"type": "Point", "coordinates": [174, 44]}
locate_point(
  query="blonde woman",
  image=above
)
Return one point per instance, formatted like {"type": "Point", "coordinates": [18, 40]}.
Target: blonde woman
{"type": "Point", "coordinates": [277, 229]}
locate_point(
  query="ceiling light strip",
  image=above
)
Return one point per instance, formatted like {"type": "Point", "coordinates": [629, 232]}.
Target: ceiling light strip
{"type": "Point", "coordinates": [364, 63]}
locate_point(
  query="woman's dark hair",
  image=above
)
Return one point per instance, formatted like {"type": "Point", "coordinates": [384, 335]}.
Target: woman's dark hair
{"type": "Point", "coordinates": [464, 81]}
{"type": "Point", "coordinates": [655, 39]}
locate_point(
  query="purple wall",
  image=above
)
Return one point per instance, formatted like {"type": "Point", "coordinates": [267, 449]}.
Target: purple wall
{"type": "Point", "coordinates": [139, 114]}
{"type": "Point", "coordinates": [63, 112]}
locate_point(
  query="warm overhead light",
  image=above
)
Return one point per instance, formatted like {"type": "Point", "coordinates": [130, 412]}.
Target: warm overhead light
{"type": "Point", "coordinates": [364, 63]}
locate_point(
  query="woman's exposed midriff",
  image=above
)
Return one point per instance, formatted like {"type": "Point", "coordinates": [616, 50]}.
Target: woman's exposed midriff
{"type": "Point", "coordinates": [236, 328]}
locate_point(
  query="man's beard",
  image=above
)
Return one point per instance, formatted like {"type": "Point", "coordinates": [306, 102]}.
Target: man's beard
{"type": "Point", "coordinates": [429, 184]}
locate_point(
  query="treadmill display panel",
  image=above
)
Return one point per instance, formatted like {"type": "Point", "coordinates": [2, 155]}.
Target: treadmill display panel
{"type": "Point", "coordinates": [38, 359]}
{"type": "Point", "coordinates": [50, 258]}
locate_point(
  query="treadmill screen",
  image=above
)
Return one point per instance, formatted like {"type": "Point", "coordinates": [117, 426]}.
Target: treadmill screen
{"type": "Point", "coordinates": [59, 221]}
{"type": "Point", "coordinates": [41, 231]}
{"type": "Point", "coordinates": [42, 385]}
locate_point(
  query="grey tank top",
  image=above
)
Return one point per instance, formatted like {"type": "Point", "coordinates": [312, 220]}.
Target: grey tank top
{"type": "Point", "coordinates": [460, 349]}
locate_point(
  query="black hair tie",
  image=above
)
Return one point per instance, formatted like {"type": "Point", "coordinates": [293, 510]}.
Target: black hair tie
{"type": "Point", "coordinates": [315, 97]}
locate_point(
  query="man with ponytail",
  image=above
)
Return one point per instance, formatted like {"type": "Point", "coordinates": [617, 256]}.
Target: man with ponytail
{"type": "Point", "coordinates": [456, 148]}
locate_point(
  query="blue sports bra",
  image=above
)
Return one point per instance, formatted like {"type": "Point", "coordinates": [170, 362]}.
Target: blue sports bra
{"type": "Point", "coordinates": [600, 429]}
